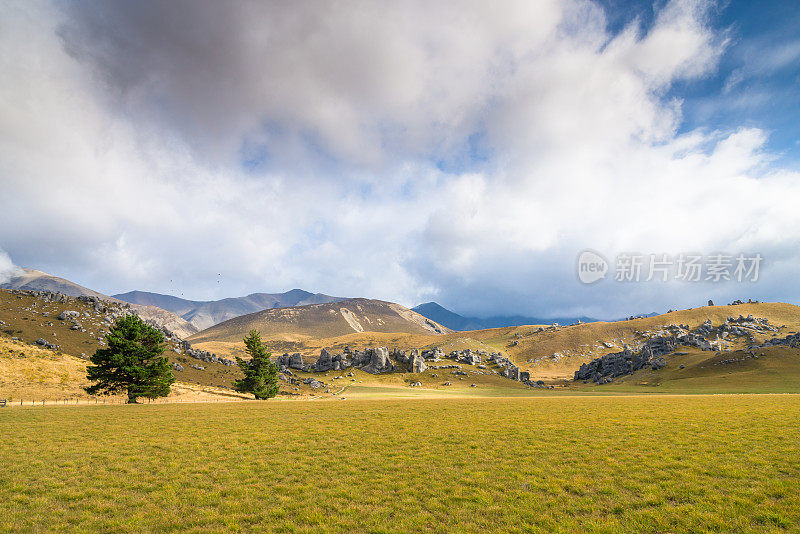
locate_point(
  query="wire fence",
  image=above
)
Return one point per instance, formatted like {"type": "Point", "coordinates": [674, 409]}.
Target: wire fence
{"type": "Point", "coordinates": [74, 401]}
{"type": "Point", "coordinates": [98, 401]}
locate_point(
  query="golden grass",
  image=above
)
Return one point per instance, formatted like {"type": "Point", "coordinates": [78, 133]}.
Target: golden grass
{"type": "Point", "coordinates": [607, 464]}
{"type": "Point", "coordinates": [777, 370]}
{"type": "Point", "coordinates": [30, 373]}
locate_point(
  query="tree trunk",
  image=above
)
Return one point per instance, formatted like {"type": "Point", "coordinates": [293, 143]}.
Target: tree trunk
{"type": "Point", "coordinates": [131, 398]}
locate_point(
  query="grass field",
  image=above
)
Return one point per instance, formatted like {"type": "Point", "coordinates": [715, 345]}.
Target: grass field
{"type": "Point", "coordinates": [597, 464]}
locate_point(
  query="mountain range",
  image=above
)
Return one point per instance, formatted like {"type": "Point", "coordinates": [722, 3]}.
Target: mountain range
{"type": "Point", "coordinates": [204, 314]}
{"type": "Point", "coordinates": [187, 317]}
{"type": "Point", "coordinates": [457, 322]}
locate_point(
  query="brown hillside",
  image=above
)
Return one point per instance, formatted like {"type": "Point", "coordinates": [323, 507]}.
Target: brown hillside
{"type": "Point", "coordinates": [552, 353]}
{"type": "Point", "coordinates": [33, 280]}
{"type": "Point", "coordinates": [317, 321]}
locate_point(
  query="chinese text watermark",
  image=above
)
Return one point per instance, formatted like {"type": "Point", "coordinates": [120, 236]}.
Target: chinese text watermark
{"type": "Point", "coordinates": [632, 267]}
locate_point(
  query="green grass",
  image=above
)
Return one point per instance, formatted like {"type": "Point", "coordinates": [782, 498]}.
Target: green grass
{"type": "Point", "coordinates": [597, 464]}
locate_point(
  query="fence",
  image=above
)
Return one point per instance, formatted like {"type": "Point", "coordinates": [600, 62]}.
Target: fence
{"type": "Point", "coordinates": [61, 402]}
{"type": "Point", "coordinates": [92, 401]}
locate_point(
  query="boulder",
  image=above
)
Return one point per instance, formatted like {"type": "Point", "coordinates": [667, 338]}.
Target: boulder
{"type": "Point", "coordinates": [325, 361]}
{"type": "Point", "coordinates": [313, 382]}
{"type": "Point", "coordinates": [510, 371]}
{"type": "Point", "coordinates": [469, 357]}
{"type": "Point", "coordinates": [433, 355]}
{"type": "Point", "coordinates": [402, 357]}
{"type": "Point", "coordinates": [296, 361]}
{"type": "Point", "coordinates": [361, 357]}
{"type": "Point", "coordinates": [379, 361]}
{"type": "Point", "coordinates": [604, 369]}
{"type": "Point", "coordinates": [417, 364]}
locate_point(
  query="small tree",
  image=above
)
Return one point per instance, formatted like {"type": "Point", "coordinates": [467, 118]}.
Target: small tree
{"type": "Point", "coordinates": [131, 362]}
{"type": "Point", "coordinates": [260, 375]}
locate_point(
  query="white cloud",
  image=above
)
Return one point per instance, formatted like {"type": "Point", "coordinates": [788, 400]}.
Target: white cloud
{"type": "Point", "coordinates": [7, 268]}
{"type": "Point", "coordinates": [122, 151]}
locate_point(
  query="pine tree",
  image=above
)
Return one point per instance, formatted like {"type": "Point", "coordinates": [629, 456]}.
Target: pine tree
{"type": "Point", "coordinates": [131, 362]}
{"type": "Point", "coordinates": [260, 375]}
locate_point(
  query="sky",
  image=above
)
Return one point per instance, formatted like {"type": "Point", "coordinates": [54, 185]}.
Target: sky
{"type": "Point", "coordinates": [461, 152]}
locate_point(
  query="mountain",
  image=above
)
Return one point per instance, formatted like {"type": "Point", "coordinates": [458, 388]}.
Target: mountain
{"type": "Point", "coordinates": [323, 321]}
{"type": "Point", "coordinates": [203, 314]}
{"type": "Point", "coordinates": [33, 280]}
{"type": "Point", "coordinates": [454, 321]}
{"type": "Point", "coordinates": [445, 317]}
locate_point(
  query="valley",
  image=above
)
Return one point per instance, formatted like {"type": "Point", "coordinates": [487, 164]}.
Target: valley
{"type": "Point", "coordinates": [61, 332]}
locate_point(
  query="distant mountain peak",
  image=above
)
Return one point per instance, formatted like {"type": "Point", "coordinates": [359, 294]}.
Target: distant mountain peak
{"type": "Point", "coordinates": [204, 314]}
{"type": "Point", "coordinates": [440, 314]}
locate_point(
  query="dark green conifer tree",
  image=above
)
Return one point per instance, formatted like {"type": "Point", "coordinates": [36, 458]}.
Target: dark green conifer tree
{"type": "Point", "coordinates": [132, 362]}
{"type": "Point", "coordinates": [260, 374]}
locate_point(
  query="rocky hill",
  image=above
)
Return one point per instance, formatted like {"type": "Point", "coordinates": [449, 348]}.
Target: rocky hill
{"type": "Point", "coordinates": [76, 326]}
{"type": "Point", "coordinates": [204, 314]}
{"type": "Point", "coordinates": [323, 321]}
{"type": "Point", "coordinates": [33, 280]}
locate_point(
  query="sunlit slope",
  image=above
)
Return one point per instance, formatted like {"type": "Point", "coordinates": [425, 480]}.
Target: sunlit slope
{"type": "Point", "coordinates": [33, 280]}
{"type": "Point", "coordinates": [318, 321]}
{"type": "Point", "coordinates": [547, 352]}
{"type": "Point", "coordinates": [762, 370]}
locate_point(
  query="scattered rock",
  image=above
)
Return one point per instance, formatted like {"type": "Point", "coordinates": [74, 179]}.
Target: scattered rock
{"type": "Point", "coordinates": [313, 382]}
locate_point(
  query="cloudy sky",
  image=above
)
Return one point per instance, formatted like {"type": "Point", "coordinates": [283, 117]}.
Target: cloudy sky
{"type": "Point", "coordinates": [410, 151]}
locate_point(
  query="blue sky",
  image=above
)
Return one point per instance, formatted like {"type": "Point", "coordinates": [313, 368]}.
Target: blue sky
{"type": "Point", "coordinates": [407, 151]}
{"type": "Point", "coordinates": [758, 80]}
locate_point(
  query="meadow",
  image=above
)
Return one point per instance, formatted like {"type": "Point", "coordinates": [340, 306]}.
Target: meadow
{"type": "Point", "coordinates": [671, 463]}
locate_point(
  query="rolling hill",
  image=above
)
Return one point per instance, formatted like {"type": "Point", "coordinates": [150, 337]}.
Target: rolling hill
{"type": "Point", "coordinates": [548, 353]}
{"type": "Point", "coordinates": [316, 321]}
{"type": "Point", "coordinates": [34, 280]}
{"type": "Point", "coordinates": [554, 354]}
{"type": "Point", "coordinates": [204, 314]}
